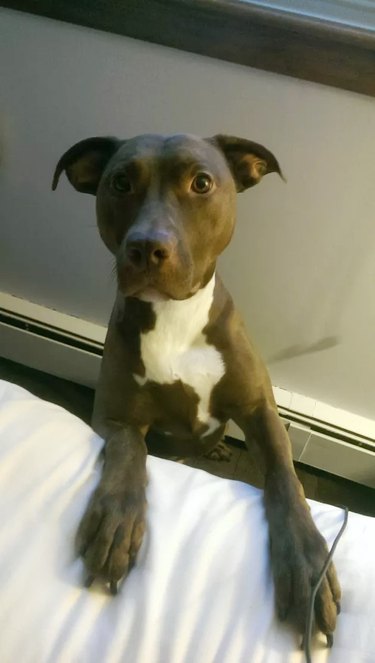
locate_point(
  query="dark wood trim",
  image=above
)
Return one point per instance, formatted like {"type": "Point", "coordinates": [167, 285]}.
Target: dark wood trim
{"type": "Point", "coordinates": [282, 42]}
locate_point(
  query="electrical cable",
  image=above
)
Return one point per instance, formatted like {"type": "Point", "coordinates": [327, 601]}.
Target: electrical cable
{"type": "Point", "coordinates": [310, 616]}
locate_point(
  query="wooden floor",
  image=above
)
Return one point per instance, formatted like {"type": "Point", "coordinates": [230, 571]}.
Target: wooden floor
{"type": "Point", "coordinates": [77, 399]}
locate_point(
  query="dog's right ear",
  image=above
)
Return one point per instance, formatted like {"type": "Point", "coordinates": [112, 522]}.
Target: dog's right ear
{"type": "Point", "coordinates": [85, 161]}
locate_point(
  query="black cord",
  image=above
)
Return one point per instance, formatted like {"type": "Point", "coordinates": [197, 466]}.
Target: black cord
{"type": "Point", "coordinates": [310, 616]}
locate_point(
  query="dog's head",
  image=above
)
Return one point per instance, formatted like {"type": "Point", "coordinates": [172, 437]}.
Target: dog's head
{"type": "Point", "coordinates": [165, 205]}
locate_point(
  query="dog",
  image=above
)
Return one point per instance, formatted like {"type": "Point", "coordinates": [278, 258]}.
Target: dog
{"type": "Point", "coordinates": [177, 363]}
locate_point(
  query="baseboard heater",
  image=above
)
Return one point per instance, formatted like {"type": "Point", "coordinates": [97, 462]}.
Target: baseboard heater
{"type": "Point", "coordinates": [50, 341]}
{"type": "Point", "coordinates": [324, 437]}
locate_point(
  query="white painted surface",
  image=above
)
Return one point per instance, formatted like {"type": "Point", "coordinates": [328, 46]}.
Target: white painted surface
{"type": "Point", "coordinates": [340, 458]}
{"type": "Point", "coordinates": [177, 349]}
{"type": "Point", "coordinates": [49, 356]}
{"type": "Point", "coordinates": [302, 263]}
{"type": "Point", "coordinates": [68, 323]}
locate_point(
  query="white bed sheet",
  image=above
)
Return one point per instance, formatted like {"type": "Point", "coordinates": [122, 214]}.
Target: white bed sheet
{"type": "Point", "coordinates": [201, 591]}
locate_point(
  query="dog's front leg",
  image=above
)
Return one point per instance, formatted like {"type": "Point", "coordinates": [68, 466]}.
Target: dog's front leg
{"type": "Point", "coordinates": [112, 528]}
{"type": "Point", "coordinates": [298, 550]}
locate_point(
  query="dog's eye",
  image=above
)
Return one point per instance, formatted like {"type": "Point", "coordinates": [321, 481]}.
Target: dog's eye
{"type": "Point", "coordinates": [202, 183]}
{"type": "Point", "coordinates": [121, 182]}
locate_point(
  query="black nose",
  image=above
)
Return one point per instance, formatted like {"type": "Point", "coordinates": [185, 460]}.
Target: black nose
{"type": "Point", "coordinates": [144, 251]}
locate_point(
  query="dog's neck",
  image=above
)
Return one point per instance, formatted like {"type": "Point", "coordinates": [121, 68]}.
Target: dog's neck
{"type": "Point", "coordinates": [184, 319]}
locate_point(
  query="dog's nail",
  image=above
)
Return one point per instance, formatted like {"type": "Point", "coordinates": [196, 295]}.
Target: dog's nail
{"type": "Point", "coordinates": [132, 561]}
{"type": "Point", "coordinates": [81, 549]}
{"type": "Point", "coordinates": [89, 580]}
{"type": "Point", "coordinates": [338, 607]}
{"type": "Point", "coordinates": [282, 614]}
{"type": "Point", "coordinates": [329, 639]}
{"type": "Point", "coordinates": [113, 588]}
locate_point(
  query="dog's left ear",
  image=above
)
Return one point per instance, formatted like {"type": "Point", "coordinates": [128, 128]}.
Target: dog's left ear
{"type": "Point", "coordinates": [248, 161]}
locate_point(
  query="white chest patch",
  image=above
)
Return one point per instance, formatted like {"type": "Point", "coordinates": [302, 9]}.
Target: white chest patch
{"type": "Point", "coordinates": [177, 349]}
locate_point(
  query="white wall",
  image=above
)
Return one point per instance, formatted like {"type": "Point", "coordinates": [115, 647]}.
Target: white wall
{"type": "Point", "coordinates": [302, 264]}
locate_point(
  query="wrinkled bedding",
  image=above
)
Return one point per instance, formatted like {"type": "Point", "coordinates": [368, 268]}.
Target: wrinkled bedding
{"type": "Point", "coordinates": [201, 591]}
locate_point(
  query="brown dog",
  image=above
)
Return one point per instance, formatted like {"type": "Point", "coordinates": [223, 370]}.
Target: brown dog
{"type": "Point", "coordinates": [177, 362]}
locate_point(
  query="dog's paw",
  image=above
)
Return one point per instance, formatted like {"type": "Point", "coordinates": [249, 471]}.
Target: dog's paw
{"type": "Point", "coordinates": [298, 554]}
{"type": "Point", "coordinates": [110, 535]}
{"type": "Point", "coordinates": [221, 452]}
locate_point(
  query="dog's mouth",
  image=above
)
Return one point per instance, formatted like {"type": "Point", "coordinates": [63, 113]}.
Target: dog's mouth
{"type": "Point", "coordinates": [151, 289]}
{"type": "Point", "coordinates": [156, 283]}
{"type": "Point", "coordinates": [151, 295]}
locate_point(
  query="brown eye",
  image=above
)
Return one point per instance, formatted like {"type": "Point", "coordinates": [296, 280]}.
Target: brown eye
{"type": "Point", "coordinates": [122, 183]}
{"type": "Point", "coordinates": [202, 183]}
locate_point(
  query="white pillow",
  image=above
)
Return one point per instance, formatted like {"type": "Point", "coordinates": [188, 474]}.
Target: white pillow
{"type": "Point", "coordinates": [201, 591]}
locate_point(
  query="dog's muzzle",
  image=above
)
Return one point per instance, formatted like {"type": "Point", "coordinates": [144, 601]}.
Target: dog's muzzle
{"type": "Point", "coordinates": [149, 252]}
{"type": "Point", "coordinates": [153, 261]}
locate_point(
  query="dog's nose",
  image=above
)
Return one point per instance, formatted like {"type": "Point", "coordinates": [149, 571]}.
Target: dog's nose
{"type": "Point", "coordinates": [144, 251]}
